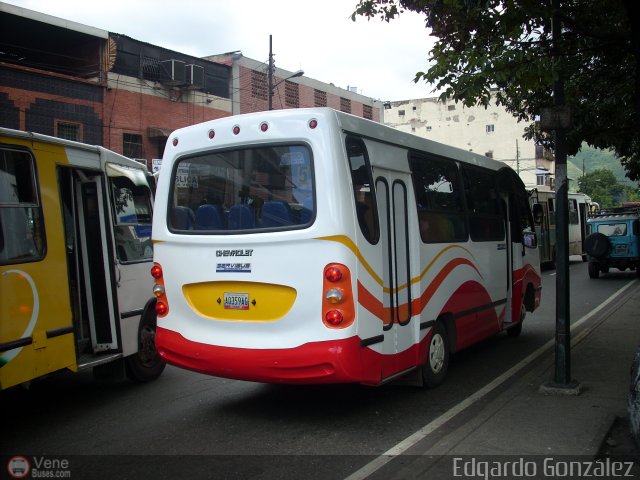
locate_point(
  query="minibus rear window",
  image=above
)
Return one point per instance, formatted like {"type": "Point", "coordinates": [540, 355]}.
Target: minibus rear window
{"type": "Point", "coordinates": [262, 188]}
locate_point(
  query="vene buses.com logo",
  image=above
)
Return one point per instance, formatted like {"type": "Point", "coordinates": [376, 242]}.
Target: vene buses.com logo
{"type": "Point", "coordinates": [18, 467]}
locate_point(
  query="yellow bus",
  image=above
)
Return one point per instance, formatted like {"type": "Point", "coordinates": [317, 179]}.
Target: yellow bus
{"type": "Point", "coordinates": [75, 252]}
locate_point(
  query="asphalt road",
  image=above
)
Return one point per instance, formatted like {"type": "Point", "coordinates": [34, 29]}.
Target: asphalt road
{"type": "Point", "coordinates": [208, 427]}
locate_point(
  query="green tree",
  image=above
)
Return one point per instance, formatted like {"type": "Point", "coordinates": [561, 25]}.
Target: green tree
{"type": "Point", "coordinates": [501, 50]}
{"type": "Point", "coordinates": [602, 186]}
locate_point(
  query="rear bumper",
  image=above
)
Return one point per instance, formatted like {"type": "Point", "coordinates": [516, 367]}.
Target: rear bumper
{"type": "Point", "coordinates": [336, 361]}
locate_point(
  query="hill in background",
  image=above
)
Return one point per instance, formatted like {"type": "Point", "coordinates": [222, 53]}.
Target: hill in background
{"type": "Point", "coordinates": [594, 159]}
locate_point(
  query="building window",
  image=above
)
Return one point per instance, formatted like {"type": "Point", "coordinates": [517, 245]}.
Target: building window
{"type": "Point", "coordinates": [291, 94]}
{"type": "Point", "coordinates": [540, 180]}
{"type": "Point", "coordinates": [367, 112]}
{"type": "Point", "coordinates": [132, 145]}
{"type": "Point", "coordinates": [69, 131]}
{"type": "Point", "coordinates": [429, 128]}
{"type": "Point", "coordinates": [401, 113]}
{"type": "Point", "coordinates": [451, 107]}
{"type": "Point", "coordinates": [345, 105]}
{"type": "Point", "coordinates": [258, 85]}
{"type": "Point", "coordinates": [489, 154]}
{"type": "Point", "coordinates": [415, 108]}
{"type": "Point", "coordinates": [319, 98]}
{"type": "Point", "coordinates": [490, 128]}
{"type": "Point", "coordinates": [413, 129]}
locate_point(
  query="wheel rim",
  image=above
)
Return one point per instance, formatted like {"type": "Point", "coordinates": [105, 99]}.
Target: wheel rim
{"type": "Point", "coordinates": [147, 352]}
{"type": "Point", "coordinates": [436, 353]}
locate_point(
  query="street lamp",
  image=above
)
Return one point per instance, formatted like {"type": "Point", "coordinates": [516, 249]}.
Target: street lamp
{"type": "Point", "coordinates": [272, 86]}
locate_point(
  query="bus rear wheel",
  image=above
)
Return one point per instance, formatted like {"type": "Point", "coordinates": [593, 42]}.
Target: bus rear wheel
{"type": "Point", "coordinates": [435, 369]}
{"type": "Point", "coordinates": [145, 365]}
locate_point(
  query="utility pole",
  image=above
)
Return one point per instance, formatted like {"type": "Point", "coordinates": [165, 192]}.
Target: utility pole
{"type": "Point", "coordinates": [271, 85]}
{"type": "Point", "coordinates": [558, 119]}
{"type": "Point", "coordinates": [270, 75]}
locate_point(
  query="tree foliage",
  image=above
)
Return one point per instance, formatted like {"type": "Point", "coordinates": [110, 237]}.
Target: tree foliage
{"type": "Point", "coordinates": [602, 186]}
{"type": "Point", "coordinates": [502, 51]}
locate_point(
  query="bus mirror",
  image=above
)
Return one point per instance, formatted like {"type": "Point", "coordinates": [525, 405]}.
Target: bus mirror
{"type": "Point", "coordinates": [529, 239]}
{"type": "Point", "coordinates": [537, 213]}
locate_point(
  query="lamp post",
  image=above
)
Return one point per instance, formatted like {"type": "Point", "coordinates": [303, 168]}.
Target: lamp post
{"type": "Point", "coordinates": [271, 85]}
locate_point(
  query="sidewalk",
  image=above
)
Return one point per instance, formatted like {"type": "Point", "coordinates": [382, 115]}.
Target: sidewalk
{"type": "Point", "coordinates": [519, 419]}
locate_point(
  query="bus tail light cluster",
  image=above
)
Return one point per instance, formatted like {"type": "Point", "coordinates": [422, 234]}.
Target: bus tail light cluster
{"type": "Point", "coordinates": [162, 305]}
{"type": "Point", "coordinates": [338, 309]}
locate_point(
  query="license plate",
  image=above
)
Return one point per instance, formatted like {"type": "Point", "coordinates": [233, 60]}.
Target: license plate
{"type": "Point", "coordinates": [236, 301]}
{"type": "Point", "coordinates": [621, 249]}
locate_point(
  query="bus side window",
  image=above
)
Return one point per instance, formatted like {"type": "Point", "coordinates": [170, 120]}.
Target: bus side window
{"type": "Point", "coordinates": [436, 183]}
{"type": "Point", "coordinates": [483, 205]}
{"type": "Point", "coordinates": [362, 189]}
{"type": "Point", "coordinates": [20, 214]}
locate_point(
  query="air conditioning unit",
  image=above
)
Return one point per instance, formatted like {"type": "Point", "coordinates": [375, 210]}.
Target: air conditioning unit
{"type": "Point", "coordinates": [173, 72]}
{"type": "Point", "coordinates": [194, 76]}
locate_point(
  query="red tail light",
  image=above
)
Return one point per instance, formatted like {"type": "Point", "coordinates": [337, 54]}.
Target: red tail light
{"type": "Point", "coordinates": [333, 274]}
{"type": "Point", "coordinates": [338, 310]}
{"type": "Point", "coordinates": [156, 271]}
{"type": "Point", "coordinates": [162, 305]}
{"type": "Point", "coordinates": [334, 317]}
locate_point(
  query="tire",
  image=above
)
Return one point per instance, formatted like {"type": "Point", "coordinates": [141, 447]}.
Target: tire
{"type": "Point", "coordinates": [597, 245]}
{"type": "Point", "coordinates": [594, 271]}
{"type": "Point", "coordinates": [516, 330]}
{"type": "Point", "coordinates": [435, 369]}
{"type": "Point", "coordinates": [145, 365]}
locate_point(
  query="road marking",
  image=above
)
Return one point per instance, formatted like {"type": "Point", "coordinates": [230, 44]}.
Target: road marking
{"type": "Point", "coordinates": [421, 434]}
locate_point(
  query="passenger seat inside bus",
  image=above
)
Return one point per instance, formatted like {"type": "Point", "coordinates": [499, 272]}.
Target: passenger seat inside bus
{"type": "Point", "coordinates": [275, 214]}
{"type": "Point", "coordinates": [182, 218]}
{"type": "Point", "coordinates": [240, 217]}
{"type": "Point", "coordinates": [209, 217]}
{"type": "Point", "coordinates": [435, 227]}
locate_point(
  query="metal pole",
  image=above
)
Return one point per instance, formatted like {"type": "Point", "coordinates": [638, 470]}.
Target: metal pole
{"type": "Point", "coordinates": [270, 75]}
{"type": "Point", "coordinates": [562, 375]}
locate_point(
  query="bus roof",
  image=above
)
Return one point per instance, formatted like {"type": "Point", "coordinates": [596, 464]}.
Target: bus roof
{"type": "Point", "coordinates": [346, 122]}
{"type": "Point", "coordinates": [78, 152]}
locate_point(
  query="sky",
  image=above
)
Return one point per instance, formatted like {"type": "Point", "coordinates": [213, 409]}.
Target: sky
{"type": "Point", "coordinates": [380, 59]}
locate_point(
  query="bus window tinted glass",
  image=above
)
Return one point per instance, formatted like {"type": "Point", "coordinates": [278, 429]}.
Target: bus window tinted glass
{"type": "Point", "coordinates": [483, 204]}
{"type": "Point", "coordinates": [132, 205]}
{"type": "Point", "coordinates": [436, 183]}
{"type": "Point", "coordinates": [243, 191]}
{"type": "Point", "coordinates": [21, 228]}
{"type": "Point", "coordinates": [362, 189]}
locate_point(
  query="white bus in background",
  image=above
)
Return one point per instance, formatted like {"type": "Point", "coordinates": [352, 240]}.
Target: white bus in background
{"type": "Point", "coordinates": [313, 246]}
{"type": "Point", "coordinates": [545, 222]}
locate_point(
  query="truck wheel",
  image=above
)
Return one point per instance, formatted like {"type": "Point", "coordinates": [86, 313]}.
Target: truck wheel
{"type": "Point", "coordinates": [594, 271]}
{"type": "Point", "coordinates": [435, 369]}
{"type": "Point", "coordinates": [145, 365]}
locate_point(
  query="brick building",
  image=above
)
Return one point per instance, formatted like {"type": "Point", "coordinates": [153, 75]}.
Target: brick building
{"type": "Point", "coordinates": [250, 90]}
{"type": "Point", "coordinates": [81, 83]}
{"type": "Point", "coordinates": [78, 82]}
